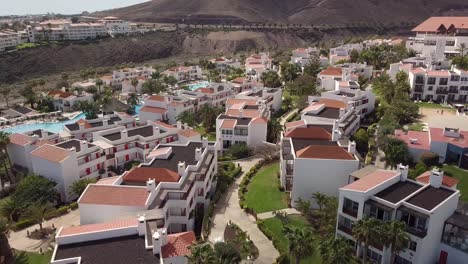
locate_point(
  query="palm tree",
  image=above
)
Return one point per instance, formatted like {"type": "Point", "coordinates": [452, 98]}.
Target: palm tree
{"type": "Point", "coordinates": [134, 82]}
{"type": "Point", "coordinates": [274, 129]}
{"type": "Point", "coordinates": [303, 206]}
{"type": "Point", "coordinates": [99, 83]}
{"type": "Point", "coordinates": [5, 250]}
{"type": "Point", "coordinates": [37, 212]}
{"type": "Point", "coordinates": [321, 199]}
{"type": "Point", "coordinates": [4, 141]}
{"type": "Point", "coordinates": [201, 254]}
{"type": "Point", "coordinates": [336, 250]}
{"type": "Point", "coordinates": [395, 237]}
{"type": "Point", "coordinates": [366, 231]}
{"type": "Point", "coordinates": [9, 208]}
{"type": "Point", "coordinates": [133, 100]}
{"type": "Point", "coordinates": [6, 95]}
{"type": "Point", "coordinates": [462, 48]}
{"type": "Point", "coordinates": [227, 253]}
{"type": "Point", "coordinates": [301, 242]}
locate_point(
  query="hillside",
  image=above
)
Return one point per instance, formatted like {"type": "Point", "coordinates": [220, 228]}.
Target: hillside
{"type": "Point", "coordinates": [289, 11]}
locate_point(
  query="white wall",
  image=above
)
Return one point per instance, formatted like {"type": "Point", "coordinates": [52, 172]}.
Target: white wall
{"type": "Point", "coordinates": [84, 237]}
{"type": "Point", "coordinates": [176, 260]}
{"type": "Point", "coordinates": [20, 155]}
{"type": "Point", "coordinates": [98, 213]}
{"type": "Point", "coordinates": [440, 148]}
{"type": "Point", "coordinates": [455, 256]}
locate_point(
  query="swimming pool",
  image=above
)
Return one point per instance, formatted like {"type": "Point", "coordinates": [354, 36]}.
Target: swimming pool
{"type": "Point", "coordinates": [54, 127]}
{"type": "Point", "coordinates": [197, 85]}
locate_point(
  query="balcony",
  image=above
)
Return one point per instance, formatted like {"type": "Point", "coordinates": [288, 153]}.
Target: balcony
{"type": "Point", "coordinates": [350, 212]}
{"type": "Point", "coordinates": [441, 91]}
{"type": "Point", "coordinates": [345, 229]}
{"type": "Point", "coordinates": [416, 232]}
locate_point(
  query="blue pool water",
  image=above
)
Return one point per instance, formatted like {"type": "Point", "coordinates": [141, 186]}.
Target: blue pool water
{"type": "Point", "coordinates": [195, 86]}
{"type": "Point", "coordinates": [54, 127]}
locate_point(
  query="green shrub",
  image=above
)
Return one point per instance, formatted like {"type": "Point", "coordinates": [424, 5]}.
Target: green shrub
{"type": "Point", "coordinates": [429, 159]}
{"type": "Point", "coordinates": [73, 205]}
{"type": "Point", "coordinates": [23, 224]}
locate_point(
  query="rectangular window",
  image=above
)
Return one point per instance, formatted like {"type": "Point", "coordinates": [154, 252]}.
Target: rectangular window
{"type": "Point", "coordinates": [412, 245]}
{"type": "Point", "coordinates": [443, 81]}
{"type": "Point", "coordinates": [431, 80]}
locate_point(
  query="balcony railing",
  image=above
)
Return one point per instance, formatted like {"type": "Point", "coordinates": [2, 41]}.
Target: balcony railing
{"type": "Point", "coordinates": [350, 212]}
{"type": "Point", "coordinates": [416, 232]}
{"type": "Point", "coordinates": [345, 229]}
{"type": "Point", "coordinates": [441, 91]}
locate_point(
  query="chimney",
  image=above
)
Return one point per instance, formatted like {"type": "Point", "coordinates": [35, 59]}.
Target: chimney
{"type": "Point", "coordinates": [181, 168]}
{"type": "Point", "coordinates": [141, 225]}
{"type": "Point", "coordinates": [163, 236]}
{"type": "Point", "coordinates": [335, 132]}
{"type": "Point", "coordinates": [35, 138]}
{"type": "Point", "coordinates": [352, 147]}
{"type": "Point", "coordinates": [179, 125]}
{"type": "Point", "coordinates": [84, 145]}
{"type": "Point", "coordinates": [150, 185]}
{"type": "Point", "coordinates": [81, 125]}
{"type": "Point", "coordinates": [198, 153]}
{"type": "Point", "coordinates": [436, 177]}
{"type": "Point", "coordinates": [403, 170]}
{"type": "Point", "coordinates": [156, 243]}
{"type": "Point", "coordinates": [186, 126]}
{"type": "Point", "coordinates": [156, 130]}
{"type": "Point", "coordinates": [124, 133]}
{"type": "Point", "coordinates": [43, 133]}
{"type": "Point", "coordinates": [342, 112]}
{"type": "Point", "coordinates": [205, 142]}
{"type": "Point", "coordinates": [105, 122]}
{"type": "Point", "coordinates": [241, 113]}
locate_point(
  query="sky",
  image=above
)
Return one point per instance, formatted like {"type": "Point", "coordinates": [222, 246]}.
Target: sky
{"type": "Point", "coordinates": [22, 7]}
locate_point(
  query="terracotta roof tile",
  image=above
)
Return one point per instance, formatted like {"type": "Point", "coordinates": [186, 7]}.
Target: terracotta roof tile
{"type": "Point", "coordinates": [178, 244]}
{"type": "Point", "coordinates": [370, 181]}
{"type": "Point", "coordinates": [239, 80]}
{"type": "Point", "coordinates": [252, 113]}
{"type": "Point", "coordinates": [108, 180]}
{"type": "Point", "coordinates": [232, 101]}
{"type": "Point", "coordinates": [20, 139]}
{"type": "Point", "coordinates": [333, 71]}
{"type": "Point", "coordinates": [433, 23]}
{"type": "Point", "coordinates": [59, 94]}
{"type": "Point", "coordinates": [75, 230]}
{"type": "Point", "coordinates": [159, 98]}
{"type": "Point", "coordinates": [446, 180]}
{"type": "Point", "coordinates": [143, 174]}
{"type": "Point", "coordinates": [414, 139]}
{"type": "Point", "coordinates": [309, 133]}
{"type": "Point", "coordinates": [51, 153]}
{"type": "Point", "coordinates": [260, 120]}
{"type": "Point", "coordinates": [114, 195]}
{"type": "Point", "coordinates": [84, 122]}
{"type": "Point", "coordinates": [324, 152]}
{"type": "Point", "coordinates": [295, 124]}
{"type": "Point", "coordinates": [229, 123]}
{"type": "Point", "coordinates": [188, 133]}
{"type": "Point", "coordinates": [205, 90]}
{"type": "Point", "coordinates": [438, 73]}
{"type": "Point", "coordinates": [162, 124]}
{"type": "Point", "coordinates": [332, 103]}
{"type": "Point", "coordinates": [155, 110]}
{"type": "Point", "coordinates": [437, 134]}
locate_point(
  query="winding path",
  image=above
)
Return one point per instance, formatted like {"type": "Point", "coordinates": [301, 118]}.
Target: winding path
{"type": "Point", "coordinates": [228, 209]}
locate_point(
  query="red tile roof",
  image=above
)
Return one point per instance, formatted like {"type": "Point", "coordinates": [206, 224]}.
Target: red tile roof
{"type": "Point", "coordinates": [108, 180]}
{"type": "Point", "coordinates": [229, 123]}
{"type": "Point", "coordinates": [239, 80]}
{"type": "Point", "coordinates": [20, 139]}
{"type": "Point", "coordinates": [59, 93]}
{"type": "Point", "coordinates": [309, 133]}
{"type": "Point", "coordinates": [295, 124]}
{"type": "Point", "coordinates": [232, 101]}
{"type": "Point", "coordinates": [418, 70]}
{"type": "Point", "coordinates": [51, 153]}
{"type": "Point", "coordinates": [332, 103]}
{"type": "Point", "coordinates": [162, 124]}
{"type": "Point", "coordinates": [143, 174]}
{"type": "Point", "coordinates": [421, 137]}
{"type": "Point", "coordinates": [446, 180]}
{"type": "Point", "coordinates": [260, 120]}
{"type": "Point", "coordinates": [333, 71]}
{"type": "Point", "coordinates": [115, 195]}
{"type": "Point", "coordinates": [157, 98]}
{"type": "Point", "coordinates": [324, 152]}
{"type": "Point", "coordinates": [84, 122]}
{"type": "Point", "coordinates": [155, 110]}
{"type": "Point", "coordinates": [75, 230]}
{"type": "Point", "coordinates": [245, 113]}
{"type": "Point", "coordinates": [433, 23]}
{"type": "Point", "coordinates": [438, 73]}
{"type": "Point", "coordinates": [205, 90]}
{"type": "Point", "coordinates": [188, 133]}
{"type": "Point", "coordinates": [178, 244]}
{"type": "Point", "coordinates": [370, 181]}
{"type": "Point", "coordinates": [437, 134]}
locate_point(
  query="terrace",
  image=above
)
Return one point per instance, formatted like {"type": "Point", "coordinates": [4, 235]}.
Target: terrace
{"type": "Point", "coordinates": [456, 232]}
{"type": "Point", "coordinates": [398, 191]}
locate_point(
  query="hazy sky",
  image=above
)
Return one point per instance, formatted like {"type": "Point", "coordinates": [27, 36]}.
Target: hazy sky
{"type": "Point", "coordinates": [21, 7]}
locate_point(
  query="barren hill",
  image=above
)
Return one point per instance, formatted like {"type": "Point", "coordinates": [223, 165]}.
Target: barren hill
{"type": "Point", "coordinates": [289, 11]}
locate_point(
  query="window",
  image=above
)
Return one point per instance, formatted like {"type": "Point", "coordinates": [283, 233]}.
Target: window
{"type": "Point", "coordinates": [429, 88]}
{"type": "Point", "coordinates": [350, 207]}
{"type": "Point", "coordinates": [374, 256]}
{"type": "Point", "coordinates": [400, 260]}
{"type": "Point", "coordinates": [431, 80]}
{"type": "Point", "coordinates": [412, 245]}
{"type": "Point", "coordinates": [443, 81]}
{"type": "Point", "coordinates": [377, 213]}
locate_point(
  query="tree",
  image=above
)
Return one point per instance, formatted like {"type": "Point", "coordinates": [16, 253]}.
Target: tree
{"type": "Point", "coordinates": [238, 151]}
{"type": "Point", "coordinates": [320, 199]}
{"type": "Point", "coordinates": [336, 250]}
{"type": "Point", "coordinates": [29, 94]}
{"type": "Point", "coordinates": [170, 80]}
{"type": "Point", "coordinates": [201, 254]}
{"type": "Point", "coordinates": [266, 151]}
{"type": "Point", "coordinates": [135, 84]}
{"type": "Point", "coordinates": [363, 82]}
{"type": "Point", "coordinates": [354, 56]}
{"type": "Point", "coordinates": [90, 109]}
{"type": "Point", "coordinates": [313, 67]}
{"type": "Point", "coordinates": [187, 117]}
{"type": "Point", "coordinates": [270, 79]}
{"type": "Point", "coordinates": [6, 255]}
{"type": "Point", "coordinates": [214, 76]}
{"type": "Point", "coordinates": [133, 101]}
{"type": "Point", "coordinates": [396, 152]}
{"type": "Point", "coordinates": [226, 253]}
{"type": "Point", "coordinates": [274, 130]}
{"type": "Point", "coordinates": [429, 159]}
{"type": "Point", "coordinates": [9, 209]}
{"type": "Point", "coordinates": [362, 140]}
{"type": "Point", "coordinates": [395, 237]}
{"type": "Point", "coordinates": [153, 86]}
{"type": "Point", "coordinates": [37, 212]}
{"type": "Point", "coordinates": [75, 19]}
{"type": "Point", "coordinates": [301, 242]}
{"type": "Point", "coordinates": [79, 186]}
{"type": "Point", "coordinates": [366, 231]}
{"type": "Point", "coordinates": [34, 189]}
{"type": "Point", "coordinates": [462, 49]}
{"type": "Point", "coordinates": [6, 95]}
{"type": "Point", "coordinates": [289, 71]}
{"type": "Point", "coordinates": [99, 83]}
{"type": "Point", "coordinates": [156, 75]}
{"type": "Point", "coordinates": [303, 206]}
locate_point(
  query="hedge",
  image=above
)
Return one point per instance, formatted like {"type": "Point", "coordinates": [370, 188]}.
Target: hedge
{"type": "Point", "coordinates": [73, 205]}
{"type": "Point", "coordinates": [23, 224]}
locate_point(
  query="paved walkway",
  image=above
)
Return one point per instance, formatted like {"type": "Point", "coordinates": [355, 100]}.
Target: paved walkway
{"type": "Point", "coordinates": [271, 214]}
{"type": "Point", "coordinates": [19, 240]}
{"type": "Point", "coordinates": [228, 209]}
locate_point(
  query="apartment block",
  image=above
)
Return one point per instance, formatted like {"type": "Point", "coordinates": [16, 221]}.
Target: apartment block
{"type": "Point", "coordinates": [451, 144]}
{"type": "Point", "coordinates": [64, 29]}
{"type": "Point", "coordinates": [121, 145]}
{"type": "Point", "coordinates": [271, 97]}
{"type": "Point", "coordinates": [115, 25]}
{"type": "Point", "coordinates": [328, 78]}
{"type": "Point", "coordinates": [351, 94]}
{"type": "Point", "coordinates": [223, 64]}
{"type": "Point", "coordinates": [84, 129]}
{"type": "Point", "coordinates": [438, 37]}
{"type": "Point", "coordinates": [118, 77]}
{"type": "Point", "coordinates": [66, 102]}
{"type": "Point", "coordinates": [257, 64]}
{"type": "Point", "coordinates": [184, 73]}
{"type": "Point", "coordinates": [9, 39]}
{"type": "Point", "coordinates": [314, 159]}
{"type": "Point", "coordinates": [178, 181]}
{"type": "Point", "coordinates": [121, 241]}
{"type": "Point", "coordinates": [427, 208]}
{"type": "Point", "coordinates": [303, 56]}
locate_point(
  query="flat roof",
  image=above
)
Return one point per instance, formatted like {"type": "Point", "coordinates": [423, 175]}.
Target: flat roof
{"type": "Point", "coordinates": [430, 197]}
{"type": "Point", "coordinates": [327, 112]}
{"type": "Point", "coordinates": [398, 191]}
{"type": "Point", "coordinates": [179, 153]}
{"type": "Point", "coordinates": [361, 173]}
{"type": "Point", "coordinates": [121, 250]}
{"type": "Point", "coordinates": [370, 179]}
{"type": "Point", "coordinates": [73, 143]}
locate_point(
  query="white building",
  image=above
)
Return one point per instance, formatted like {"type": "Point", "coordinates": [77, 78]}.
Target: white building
{"type": "Point", "coordinates": [438, 37]}
{"type": "Point", "coordinates": [351, 94]}
{"type": "Point", "coordinates": [183, 73]}
{"type": "Point", "coordinates": [115, 25]}
{"type": "Point", "coordinates": [129, 240]}
{"type": "Point", "coordinates": [118, 77]}
{"type": "Point", "coordinates": [63, 29]}
{"type": "Point", "coordinates": [272, 97]}
{"type": "Point", "coordinates": [303, 56]}
{"type": "Point", "coordinates": [427, 209]}
{"type": "Point", "coordinates": [66, 102]}
{"type": "Point", "coordinates": [341, 53]}
{"type": "Point", "coordinates": [328, 78]}
{"type": "Point", "coordinates": [257, 64]}
{"type": "Point", "coordinates": [177, 181]}
{"type": "Point", "coordinates": [223, 64]}
{"type": "Point", "coordinates": [9, 39]}
{"type": "Point", "coordinates": [67, 162]}
{"type": "Point", "coordinates": [315, 160]}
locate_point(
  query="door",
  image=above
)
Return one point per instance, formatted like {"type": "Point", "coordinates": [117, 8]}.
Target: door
{"type": "Point", "coordinates": [443, 257]}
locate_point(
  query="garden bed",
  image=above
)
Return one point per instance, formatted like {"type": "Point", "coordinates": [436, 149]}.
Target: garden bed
{"type": "Point", "coordinates": [240, 240]}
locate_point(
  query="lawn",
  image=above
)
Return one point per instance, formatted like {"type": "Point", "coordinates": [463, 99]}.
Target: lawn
{"type": "Point", "coordinates": [273, 227]}
{"type": "Point", "coordinates": [36, 258]}
{"type": "Point", "coordinates": [263, 193]}
{"type": "Point", "coordinates": [434, 106]}
{"type": "Point", "coordinates": [462, 176]}
{"type": "Point", "coordinates": [202, 130]}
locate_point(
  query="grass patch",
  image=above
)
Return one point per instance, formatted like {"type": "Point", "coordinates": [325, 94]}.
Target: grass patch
{"type": "Point", "coordinates": [416, 127]}
{"type": "Point", "coordinates": [202, 130]}
{"type": "Point", "coordinates": [433, 106]}
{"type": "Point", "coordinates": [273, 229]}
{"type": "Point", "coordinates": [36, 258]}
{"type": "Point", "coordinates": [462, 176]}
{"type": "Point", "coordinates": [263, 193]}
